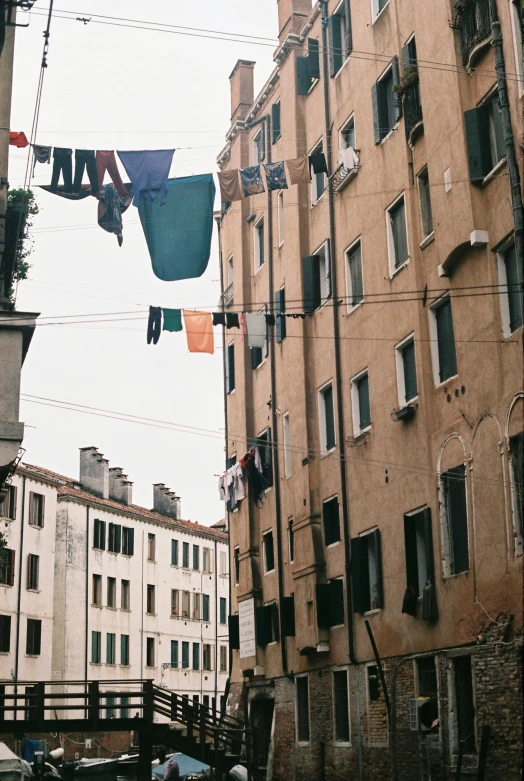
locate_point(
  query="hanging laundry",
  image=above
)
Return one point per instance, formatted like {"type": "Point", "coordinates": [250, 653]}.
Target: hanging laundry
{"type": "Point", "coordinates": [298, 170]}
{"type": "Point", "coordinates": [238, 482]}
{"type": "Point", "coordinates": [409, 603]}
{"type": "Point", "coordinates": [219, 318]}
{"type": "Point", "coordinates": [222, 488]}
{"type": "Point", "coordinates": [256, 329]}
{"type": "Point", "coordinates": [429, 602]}
{"type": "Point", "coordinates": [252, 180]}
{"type": "Point", "coordinates": [110, 209]}
{"type": "Point", "coordinates": [85, 159]}
{"type": "Point", "coordinates": [41, 154]}
{"type": "Point", "coordinates": [178, 234]}
{"type": "Point", "coordinates": [62, 164]}
{"type": "Point", "coordinates": [276, 176]}
{"type": "Point", "coordinates": [257, 481]}
{"type": "Point", "coordinates": [294, 315]}
{"type": "Point", "coordinates": [270, 319]}
{"type": "Point", "coordinates": [148, 171]}
{"type": "Point", "coordinates": [348, 158]}
{"type": "Point", "coordinates": [318, 163]}
{"type": "Point", "coordinates": [229, 186]}
{"type": "Point", "coordinates": [243, 325]}
{"type": "Point", "coordinates": [85, 192]}
{"type": "Point", "coordinates": [106, 161]}
{"type": "Point", "coordinates": [232, 320]}
{"type": "Point", "coordinates": [18, 139]}
{"type": "Point", "coordinates": [199, 330]}
{"type": "Point", "coordinates": [154, 324]}
{"type": "Point", "coordinates": [172, 319]}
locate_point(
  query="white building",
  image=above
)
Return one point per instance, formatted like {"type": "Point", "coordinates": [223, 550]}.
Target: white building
{"type": "Point", "coordinates": [93, 587]}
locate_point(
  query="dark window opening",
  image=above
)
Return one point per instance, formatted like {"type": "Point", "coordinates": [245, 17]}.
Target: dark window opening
{"type": "Point", "coordinates": [302, 686]}
{"type": "Point", "coordinates": [34, 634]}
{"type": "Point", "coordinates": [454, 484]}
{"type": "Point", "coordinates": [331, 516]}
{"type": "Point", "coordinates": [340, 691]}
{"type": "Point", "coordinates": [465, 703]}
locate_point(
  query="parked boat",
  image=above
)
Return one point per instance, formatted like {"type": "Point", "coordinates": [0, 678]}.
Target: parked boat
{"type": "Point", "coordinates": [91, 767]}
{"type": "Point", "coordinates": [127, 762]}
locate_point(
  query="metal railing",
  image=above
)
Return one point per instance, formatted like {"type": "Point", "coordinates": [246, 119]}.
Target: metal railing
{"type": "Point", "coordinates": [227, 295]}
{"type": "Point", "coordinates": [412, 108]}
{"type": "Point", "coordinates": [475, 24]}
{"type": "Point", "coordinates": [340, 177]}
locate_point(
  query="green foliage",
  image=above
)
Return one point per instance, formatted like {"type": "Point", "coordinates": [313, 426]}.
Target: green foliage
{"type": "Point", "coordinates": [24, 202]}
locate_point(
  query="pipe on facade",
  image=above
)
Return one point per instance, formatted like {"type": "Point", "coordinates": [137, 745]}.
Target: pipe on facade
{"type": "Point", "coordinates": [87, 598]}
{"type": "Point", "coordinates": [19, 596]}
{"type": "Point", "coordinates": [336, 330]}
{"type": "Point", "coordinates": [216, 622]}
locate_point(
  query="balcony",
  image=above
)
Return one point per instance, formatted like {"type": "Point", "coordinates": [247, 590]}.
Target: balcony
{"type": "Point", "coordinates": [341, 176]}
{"type": "Point", "coordinates": [227, 295]}
{"type": "Point", "coordinates": [413, 121]}
{"type": "Point", "coordinates": [474, 22]}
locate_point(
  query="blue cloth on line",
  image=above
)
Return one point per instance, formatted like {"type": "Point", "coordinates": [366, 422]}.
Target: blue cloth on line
{"type": "Point", "coordinates": [276, 176]}
{"type": "Point", "coordinates": [148, 171]}
{"type": "Point", "coordinates": [31, 746]}
{"type": "Point", "coordinates": [251, 179]}
{"type": "Point", "coordinates": [178, 234]}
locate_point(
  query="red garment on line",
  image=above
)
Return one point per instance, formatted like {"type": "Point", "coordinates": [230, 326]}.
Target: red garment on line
{"type": "Point", "coordinates": [18, 139]}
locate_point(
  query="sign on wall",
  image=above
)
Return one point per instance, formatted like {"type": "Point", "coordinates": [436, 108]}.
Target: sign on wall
{"type": "Point", "coordinates": [246, 622]}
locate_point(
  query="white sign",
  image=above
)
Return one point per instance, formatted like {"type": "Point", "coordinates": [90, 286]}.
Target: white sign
{"type": "Point", "coordinates": [246, 625]}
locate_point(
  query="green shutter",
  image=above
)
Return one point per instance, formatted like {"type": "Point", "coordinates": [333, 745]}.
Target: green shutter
{"type": "Point", "coordinates": [256, 357]}
{"type": "Point", "coordinates": [118, 538]}
{"type": "Point", "coordinates": [230, 368]}
{"type": "Point", "coordinates": [272, 613]}
{"type": "Point", "coordinates": [313, 59]}
{"type": "Point", "coordinates": [311, 282]}
{"type": "Point", "coordinates": [397, 103]}
{"type": "Point", "coordinates": [263, 627]}
{"type": "Point", "coordinates": [335, 44]}
{"type": "Point", "coordinates": [327, 251]}
{"type": "Point", "coordinates": [500, 144]}
{"type": "Point", "coordinates": [280, 305]}
{"type": "Point", "coordinates": [447, 356]}
{"type": "Point", "coordinates": [375, 97]}
{"type": "Point", "coordinates": [355, 268]}
{"type": "Point", "coordinates": [378, 555]}
{"type": "Point", "coordinates": [287, 608]}
{"type": "Point", "coordinates": [234, 633]}
{"type": "Point", "coordinates": [410, 371]}
{"type": "Point", "coordinates": [322, 599]}
{"type": "Point", "coordinates": [477, 141]}
{"type": "Point", "coordinates": [455, 481]}
{"type": "Point", "coordinates": [514, 281]}
{"type": "Point", "coordinates": [349, 32]}
{"type": "Point", "coordinates": [428, 545]}
{"type": "Point", "coordinates": [410, 547]}
{"type": "Point", "coordinates": [336, 602]}
{"type": "Point", "coordinates": [360, 575]}
{"type": "Point", "coordinates": [131, 542]}
{"type": "Point", "coordinates": [406, 58]}
{"type": "Point", "coordinates": [330, 417]}
{"type": "Point", "coordinates": [275, 121]}
{"type": "Point", "coordinates": [93, 648]}
{"type": "Point", "coordinates": [363, 401]}
{"type": "Point", "coordinates": [302, 75]}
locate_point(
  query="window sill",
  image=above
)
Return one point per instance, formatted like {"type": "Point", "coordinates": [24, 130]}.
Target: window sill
{"type": "Point", "coordinates": [337, 74]}
{"type": "Point", "coordinates": [33, 590]}
{"type": "Point", "coordinates": [342, 744]}
{"type": "Point", "coordinates": [442, 383]}
{"type": "Point", "coordinates": [380, 13]}
{"type": "Point", "coordinates": [455, 575]}
{"type": "Point", "coordinates": [151, 666]}
{"type": "Point", "coordinates": [355, 307]}
{"type": "Point", "coordinates": [314, 203]}
{"type": "Point", "coordinates": [7, 585]}
{"type": "Point", "coordinates": [389, 134]}
{"type": "Point", "coordinates": [96, 664]}
{"type": "Point", "coordinates": [393, 274]}
{"type": "Point", "coordinates": [372, 612]}
{"type": "Point", "coordinates": [259, 268]}
{"type": "Point", "coordinates": [494, 171]}
{"type": "Point", "coordinates": [125, 609]}
{"type": "Point", "coordinates": [174, 565]}
{"type": "Point", "coordinates": [151, 561]}
{"type": "Point", "coordinates": [324, 453]}
{"type": "Point", "coordinates": [361, 433]}
{"type": "Point", "coordinates": [230, 392]}
{"type": "Point", "coordinates": [127, 555]}
{"type": "Point", "coordinates": [32, 656]}
{"type": "Point", "coordinates": [175, 616]}
{"type": "Point", "coordinates": [428, 240]}
{"type": "Point", "coordinates": [36, 526]}
{"type": "Point", "coordinates": [269, 572]}
{"type": "Point", "coordinates": [332, 544]}
{"type": "Point", "coordinates": [152, 615]}
{"type": "Point", "coordinates": [98, 606]}
{"type": "Point", "coordinates": [310, 90]}
{"type": "Point", "coordinates": [110, 664]}
{"type": "Point", "coordinates": [281, 244]}
{"type": "Point", "coordinates": [125, 665]}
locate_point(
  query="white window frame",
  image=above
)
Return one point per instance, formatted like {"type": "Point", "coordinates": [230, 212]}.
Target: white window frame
{"type": "Point", "coordinates": [341, 669]}
{"type": "Point", "coordinates": [401, 383]}
{"type": "Point", "coordinates": [355, 403]}
{"type": "Point", "coordinates": [503, 289]}
{"type": "Point", "coordinates": [445, 536]}
{"type": "Point", "coordinates": [341, 140]}
{"type": "Point", "coordinates": [324, 270]}
{"type": "Point", "coordinates": [518, 547]}
{"type": "Point", "coordinates": [393, 270]}
{"type": "Point", "coordinates": [420, 545]}
{"type": "Point", "coordinates": [256, 140]}
{"type": "Point", "coordinates": [433, 344]}
{"type": "Point", "coordinates": [349, 292]}
{"type": "Point", "coordinates": [516, 34]}
{"type": "Point", "coordinates": [375, 13]}
{"type": "Point", "coordinates": [371, 570]}
{"type": "Point", "coordinates": [318, 148]}
{"type": "Point", "coordinates": [425, 236]}
{"type": "Point", "coordinates": [257, 227]}
{"type": "Point", "coordinates": [339, 11]}
{"type": "Point", "coordinates": [303, 742]}
{"type": "Point", "coordinates": [229, 271]}
{"type": "Point", "coordinates": [287, 444]}
{"type": "Point", "coordinates": [280, 217]}
{"type": "Point", "coordinates": [385, 73]}
{"type": "Point", "coordinates": [264, 534]}
{"type": "Point", "coordinates": [322, 419]}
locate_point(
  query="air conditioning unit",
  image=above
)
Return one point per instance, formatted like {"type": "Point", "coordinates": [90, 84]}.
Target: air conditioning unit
{"type": "Point", "coordinates": [422, 714]}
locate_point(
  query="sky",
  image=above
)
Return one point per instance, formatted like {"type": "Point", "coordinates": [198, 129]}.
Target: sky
{"type": "Point", "coordinates": [110, 87]}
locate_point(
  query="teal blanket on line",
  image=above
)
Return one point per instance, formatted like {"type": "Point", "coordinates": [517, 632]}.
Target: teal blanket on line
{"type": "Point", "coordinates": [178, 232]}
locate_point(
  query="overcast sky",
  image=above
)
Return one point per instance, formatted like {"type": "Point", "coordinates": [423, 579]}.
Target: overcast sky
{"type": "Point", "coordinates": [110, 87]}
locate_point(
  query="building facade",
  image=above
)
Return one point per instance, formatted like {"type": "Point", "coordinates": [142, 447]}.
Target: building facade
{"type": "Point", "coordinates": [100, 589]}
{"type": "Point", "coordinates": [387, 405]}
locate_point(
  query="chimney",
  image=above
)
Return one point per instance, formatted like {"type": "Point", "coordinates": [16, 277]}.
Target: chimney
{"type": "Point", "coordinates": [166, 502]}
{"type": "Point", "coordinates": [120, 488]}
{"type": "Point", "coordinates": [242, 90]}
{"type": "Point", "coordinates": [94, 472]}
{"type": "Point", "coordinates": [292, 15]}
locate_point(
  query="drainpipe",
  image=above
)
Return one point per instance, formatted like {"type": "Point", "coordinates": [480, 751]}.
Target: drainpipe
{"type": "Point", "coordinates": [514, 175]}
{"type": "Point", "coordinates": [87, 597]}
{"type": "Point", "coordinates": [271, 339]}
{"type": "Point", "coordinates": [19, 597]}
{"type": "Point", "coordinates": [336, 330]}
{"type": "Point", "coordinates": [216, 623]}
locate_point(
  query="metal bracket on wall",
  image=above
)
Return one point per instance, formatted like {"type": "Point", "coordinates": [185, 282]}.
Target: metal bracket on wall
{"type": "Point", "coordinates": [10, 5]}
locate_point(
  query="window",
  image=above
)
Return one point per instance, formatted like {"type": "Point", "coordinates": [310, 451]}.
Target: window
{"type": "Point", "coordinates": [264, 444]}
{"type": "Point", "coordinates": [125, 599]}
{"type": "Point", "coordinates": [207, 656]}
{"type": "Point", "coordinates": [186, 597]}
{"type": "Point", "coordinates": [34, 635]}
{"type": "Point", "coordinates": [386, 110]}
{"type": "Point", "coordinates": [441, 332]}
{"type": "Point", "coordinates": [427, 683]}
{"type": "Point", "coordinates": [236, 557]}
{"type": "Point", "coordinates": [128, 541]}
{"type": "Point", "coordinates": [8, 506]}
{"type": "Point", "coordinates": [114, 538]}
{"type": "Point", "coordinates": [291, 540]}
{"type": "Point", "coordinates": [110, 648]}
{"type": "Point", "coordinates": [99, 534]}
{"type": "Point", "coordinates": [287, 444]}
{"type": "Point", "coordinates": [150, 651]}
{"type": "Point", "coordinates": [223, 658]}
{"type": "Point", "coordinates": [269, 555]}
{"type": "Point", "coordinates": [418, 543]}
{"type": "Point", "coordinates": [511, 276]}
{"type": "Point", "coordinates": [355, 288]}
{"type": "Point", "coordinates": [341, 705]}
{"type": "Point", "coordinates": [7, 567]}
{"type": "Point", "coordinates": [124, 650]}
{"type": "Point", "coordinates": [465, 703]}
{"type": "Point", "coordinates": [185, 655]}
{"type": "Point", "coordinates": [346, 135]}
{"type": "Point", "coordinates": [205, 607]}
{"type": "Point", "coordinates": [223, 564]}
{"type": "Point", "coordinates": [96, 647]}
{"type": "Point", "coordinates": [373, 683]}
{"type": "Point", "coordinates": [331, 519]}
{"type": "Point", "coordinates": [150, 600]}
{"type": "Point", "coordinates": [196, 656]}
{"type": "Point", "coordinates": [32, 571]}
{"type": "Point", "coordinates": [223, 610]}
{"type": "Point", "coordinates": [308, 68]}
{"type": "Point", "coordinates": [230, 368]}
{"type": "Point", "coordinates": [280, 308]}
{"type": "Point", "coordinates": [266, 624]}
{"type": "Point", "coordinates": [406, 371]}
{"type": "Point", "coordinates": [275, 121]}
{"type": "Point", "coordinates": [174, 553]}
{"type": "Point", "coordinates": [207, 560]}
{"type": "Point", "coordinates": [377, 6]}
{"type": "Point", "coordinates": [174, 653]}
{"type": "Point", "coordinates": [484, 137]}
{"type": "Point", "coordinates": [366, 572]}
{"type": "Point", "coordinates": [516, 452]}
{"type": "Point", "coordinates": [361, 406]}
{"type": "Point", "coordinates": [339, 37]}
{"type": "Point", "coordinates": [196, 607]}
{"type": "Point", "coordinates": [397, 235]}
{"type": "Point", "coordinates": [110, 702]}
{"type": "Point", "coordinates": [259, 146]}
{"type": "Point", "coordinates": [302, 688]}
{"type": "Point", "coordinates": [456, 553]}
{"type": "Point", "coordinates": [5, 635]}
{"type": "Point", "coordinates": [97, 590]}
{"type": "Point", "coordinates": [259, 244]}
{"type": "Point", "coordinates": [175, 602]}
{"type": "Point", "coordinates": [111, 592]}
{"type": "Point", "coordinates": [124, 707]}
{"type": "Point", "coordinates": [330, 603]}
{"type": "Point", "coordinates": [196, 557]}
{"type": "Point", "coordinates": [426, 216]}
{"type": "Point", "coordinates": [326, 419]}
{"type": "Point", "coordinates": [280, 217]}
{"type": "Point", "coordinates": [36, 509]}
{"type": "Point", "coordinates": [318, 181]}
{"type": "Point", "coordinates": [229, 272]}
{"type": "Point", "coordinates": [316, 278]}
{"type": "Point", "coordinates": [185, 555]}
{"type": "Point", "coordinates": [259, 353]}
{"type": "Point", "coordinates": [151, 543]}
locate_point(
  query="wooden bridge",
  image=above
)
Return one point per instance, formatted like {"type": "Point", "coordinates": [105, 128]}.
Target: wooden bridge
{"type": "Point", "coordinates": [158, 716]}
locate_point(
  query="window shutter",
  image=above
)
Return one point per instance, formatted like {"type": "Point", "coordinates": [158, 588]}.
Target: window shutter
{"type": "Point", "coordinates": [262, 142]}
{"type": "Point", "coordinates": [31, 507]}
{"type": "Point", "coordinates": [234, 633]}
{"type": "Point", "coordinates": [363, 402]}
{"type": "Point", "coordinates": [330, 418]}
{"type": "Point", "coordinates": [406, 58]}
{"type": "Point", "coordinates": [130, 542]}
{"type": "Point", "coordinates": [268, 458]}
{"type": "Point", "coordinates": [287, 609]}
{"type": "Point", "coordinates": [376, 111]}
{"type": "Point", "coordinates": [355, 267]}
{"type": "Point", "coordinates": [378, 554]}
{"type": "Point", "coordinates": [302, 75]}
{"type": "Point", "coordinates": [256, 357]}
{"type": "Point", "coordinates": [327, 251]}
{"type": "Point", "coordinates": [230, 368]}
{"type": "Point", "coordinates": [398, 227]}
{"type": "Point", "coordinates": [12, 502]}
{"type": "Point", "coordinates": [311, 282]}
{"type": "Point", "coordinates": [280, 306]}
{"type": "Point", "coordinates": [261, 622]}
{"type": "Point", "coordinates": [94, 647]}
{"type": "Point", "coordinates": [272, 613]}
{"type": "Point", "coordinates": [335, 44]}
{"type": "Point", "coordinates": [42, 506]}
{"type": "Point", "coordinates": [322, 595]}
{"type": "Point", "coordinates": [410, 546]}
{"type": "Point", "coordinates": [275, 122]}
{"type": "Point", "coordinates": [447, 356]}
{"type": "Point", "coordinates": [313, 59]}
{"type": "Point", "coordinates": [336, 601]}
{"type": "Point", "coordinates": [457, 517]}
{"type": "Point", "coordinates": [428, 545]}
{"type": "Point", "coordinates": [118, 538]}
{"type": "Point", "coordinates": [410, 371]}
{"type": "Point", "coordinates": [477, 141]}
{"type": "Point", "coordinates": [102, 535]}
{"type": "Point", "coordinates": [360, 575]}
{"type": "Point", "coordinates": [349, 33]}
{"type": "Point", "coordinates": [397, 103]}
{"type": "Point", "coordinates": [11, 570]}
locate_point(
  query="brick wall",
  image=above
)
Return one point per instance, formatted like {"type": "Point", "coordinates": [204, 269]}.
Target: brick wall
{"type": "Point", "coordinates": [103, 744]}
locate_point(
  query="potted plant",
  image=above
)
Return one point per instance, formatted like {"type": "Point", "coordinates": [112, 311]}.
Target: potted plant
{"type": "Point", "coordinates": [409, 77]}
